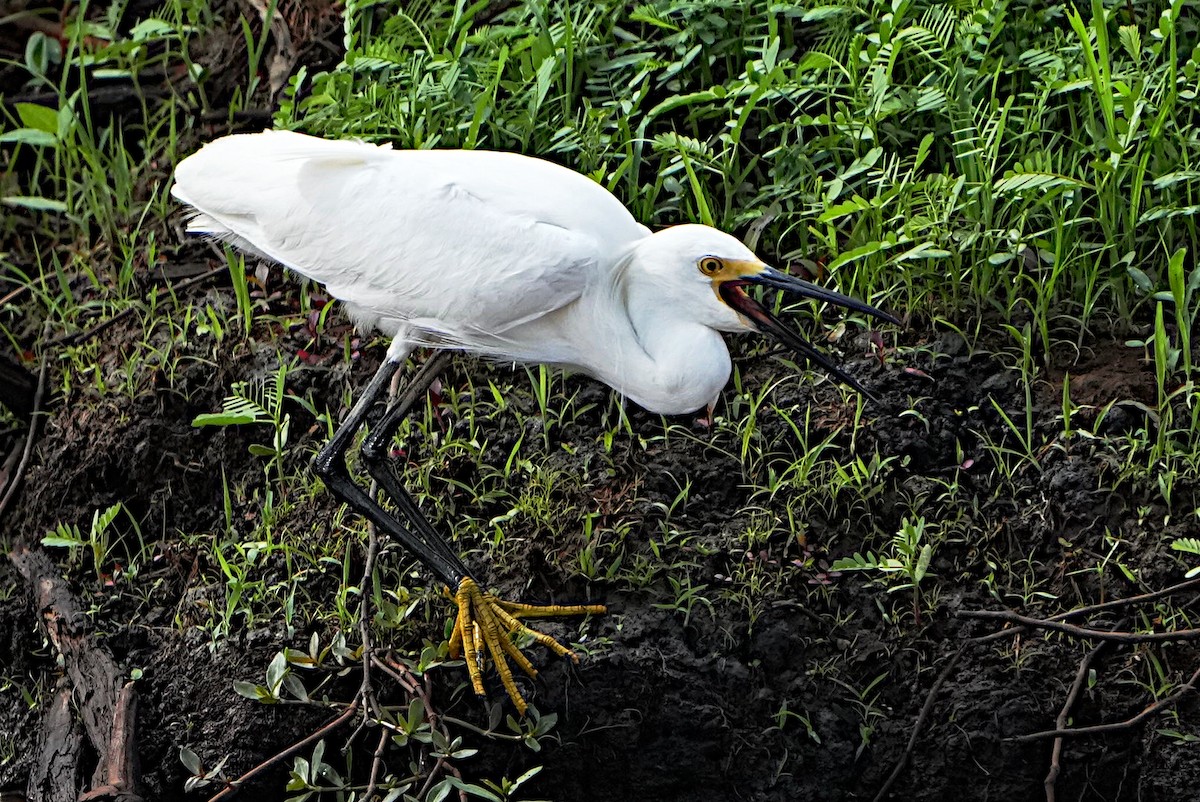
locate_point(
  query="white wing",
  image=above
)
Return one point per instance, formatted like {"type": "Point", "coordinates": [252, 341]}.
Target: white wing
{"type": "Point", "coordinates": [463, 245]}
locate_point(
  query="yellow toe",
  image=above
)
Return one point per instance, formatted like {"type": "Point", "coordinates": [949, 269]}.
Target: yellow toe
{"type": "Point", "coordinates": [486, 625]}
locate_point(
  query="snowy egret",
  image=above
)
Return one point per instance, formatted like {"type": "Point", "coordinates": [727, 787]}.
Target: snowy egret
{"type": "Point", "coordinates": [496, 254]}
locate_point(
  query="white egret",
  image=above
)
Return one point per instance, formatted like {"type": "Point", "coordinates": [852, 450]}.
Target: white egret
{"type": "Point", "coordinates": [496, 254]}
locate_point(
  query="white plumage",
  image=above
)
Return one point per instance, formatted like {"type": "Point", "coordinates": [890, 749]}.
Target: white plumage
{"type": "Point", "coordinates": [495, 253]}
{"type": "Point", "coordinates": [498, 254]}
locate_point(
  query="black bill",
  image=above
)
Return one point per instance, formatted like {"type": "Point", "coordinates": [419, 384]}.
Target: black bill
{"type": "Point", "coordinates": [736, 297]}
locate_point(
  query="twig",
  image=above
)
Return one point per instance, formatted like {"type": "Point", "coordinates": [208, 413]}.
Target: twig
{"type": "Point", "coordinates": [1077, 732]}
{"type": "Point", "coordinates": [442, 765]}
{"type": "Point", "coordinates": [452, 769]}
{"type": "Point", "coordinates": [13, 294]}
{"type": "Point", "coordinates": [1021, 624]}
{"type": "Point", "coordinates": [492, 734]}
{"type": "Point", "coordinates": [1081, 632]}
{"type": "Point", "coordinates": [405, 674]}
{"type": "Point", "coordinates": [431, 715]}
{"type": "Point", "coordinates": [35, 419]}
{"type": "Point", "coordinates": [396, 675]}
{"type": "Point", "coordinates": [1063, 715]}
{"type": "Point", "coordinates": [926, 708]}
{"type": "Point", "coordinates": [376, 764]}
{"type": "Point", "coordinates": [1095, 608]}
{"type": "Point", "coordinates": [235, 785]}
{"type": "Point", "coordinates": [920, 722]}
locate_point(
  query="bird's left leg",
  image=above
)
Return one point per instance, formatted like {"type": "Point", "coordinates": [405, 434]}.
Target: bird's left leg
{"type": "Point", "coordinates": [330, 466]}
{"type": "Point", "coordinates": [485, 624]}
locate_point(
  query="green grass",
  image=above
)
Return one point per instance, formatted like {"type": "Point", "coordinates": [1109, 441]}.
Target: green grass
{"type": "Point", "coordinates": [948, 162]}
{"type": "Point", "coordinates": [1024, 174]}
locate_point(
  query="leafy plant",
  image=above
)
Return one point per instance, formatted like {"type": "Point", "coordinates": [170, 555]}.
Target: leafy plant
{"type": "Point", "coordinates": [909, 560]}
{"type": "Point", "coordinates": [257, 402]}
{"type": "Point", "coordinates": [97, 542]}
{"type": "Point", "coordinates": [1188, 545]}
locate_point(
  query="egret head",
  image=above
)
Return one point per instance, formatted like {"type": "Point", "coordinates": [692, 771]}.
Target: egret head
{"type": "Point", "coordinates": [707, 272]}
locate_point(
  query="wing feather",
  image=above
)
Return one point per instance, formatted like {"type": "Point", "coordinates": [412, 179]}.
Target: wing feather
{"type": "Point", "coordinates": [463, 245]}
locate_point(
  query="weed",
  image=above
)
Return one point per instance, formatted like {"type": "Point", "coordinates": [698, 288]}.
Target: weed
{"type": "Point", "coordinates": [98, 543]}
{"type": "Point", "coordinates": [911, 554]}
{"type": "Point", "coordinates": [258, 402]}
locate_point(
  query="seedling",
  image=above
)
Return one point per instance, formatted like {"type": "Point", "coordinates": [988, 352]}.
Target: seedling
{"type": "Point", "coordinates": [910, 560]}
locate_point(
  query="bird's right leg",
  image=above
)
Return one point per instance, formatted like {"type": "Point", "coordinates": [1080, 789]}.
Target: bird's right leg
{"type": "Point", "coordinates": [330, 465]}
{"type": "Point", "coordinates": [485, 623]}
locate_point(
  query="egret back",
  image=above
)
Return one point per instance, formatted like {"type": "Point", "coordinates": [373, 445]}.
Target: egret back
{"type": "Point", "coordinates": [451, 246]}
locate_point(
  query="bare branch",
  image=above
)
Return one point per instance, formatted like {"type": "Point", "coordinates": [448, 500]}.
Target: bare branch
{"type": "Point", "coordinates": [1081, 632]}
{"type": "Point", "coordinates": [1099, 729]}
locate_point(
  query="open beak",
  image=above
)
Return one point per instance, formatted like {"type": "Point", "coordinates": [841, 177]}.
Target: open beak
{"type": "Point", "coordinates": [732, 293]}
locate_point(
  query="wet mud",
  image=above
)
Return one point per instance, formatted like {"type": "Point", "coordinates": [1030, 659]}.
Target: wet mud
{"type": "Point", "coordinates": [811, 691]}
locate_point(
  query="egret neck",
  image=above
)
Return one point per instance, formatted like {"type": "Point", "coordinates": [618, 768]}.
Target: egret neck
{"type": "Point", "coordinates": [657, 354]}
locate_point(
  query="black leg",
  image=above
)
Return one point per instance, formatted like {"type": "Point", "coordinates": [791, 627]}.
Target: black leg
{"type": "Point", "coordinates": [485, 625]}
{"type": "Point", "coordinates": [330, 465]}
{"type": "Point", "coordinates": [375, 450]}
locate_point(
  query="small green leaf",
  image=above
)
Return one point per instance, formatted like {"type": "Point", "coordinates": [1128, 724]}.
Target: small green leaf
{"type": "Point", "coordinates": [923, 562]}
{"type": "Point", "coordinates": [29, 136]}
{"type": "Point", "coordinates": [526, 777]}
{"type": "Point", "coordinates": [295, 687]}
{"type": "Point", "coordinates": [416, 714]}
{"type": "Point", "coordinates": [482, 793]}
{"type": "Point", "coordinates": [150, 29]}
{"type": "Point", "coordinates": [545, 724]}
{"type": "Point", "coordinates": [1191, 545]}
{"type": "Point", "coordinates": [1024, 182]}
{"type": "Point", "coordinates": [1139, 277]}
{"type": "Point", "coordinates": [440, 791]}
{"type": "Point", "coordinates": [318, 758]}
{"type": "Point", "coordinates": [857, 253]}
{"type": "Point", "coordinates": [223, 419]}
{"type": "Point", "coordinates": [276, 671]}
{"type": "Point", "coordinates": [35, 203]}
{"type": "Point", "coordinates": [190, 760]}
{"type": "Point", "coordinates": [38, 117]}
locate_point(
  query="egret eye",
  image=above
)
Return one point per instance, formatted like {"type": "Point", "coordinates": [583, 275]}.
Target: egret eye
{"type": "Point", "coordinates": [709, 265]}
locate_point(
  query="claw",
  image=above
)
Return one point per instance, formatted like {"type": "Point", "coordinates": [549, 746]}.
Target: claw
{"type": "Point", "coordinates": [486, 625]}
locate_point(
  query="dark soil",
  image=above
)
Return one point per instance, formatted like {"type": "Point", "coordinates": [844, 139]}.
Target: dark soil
{"type": "Point", "coordinates": [671, 708]}
{"type": "Point", "coordinates": [810, 690]}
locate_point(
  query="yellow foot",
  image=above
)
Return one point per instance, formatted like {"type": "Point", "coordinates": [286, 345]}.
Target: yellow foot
{"type": "Point", "coordinates": [485, 625]}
